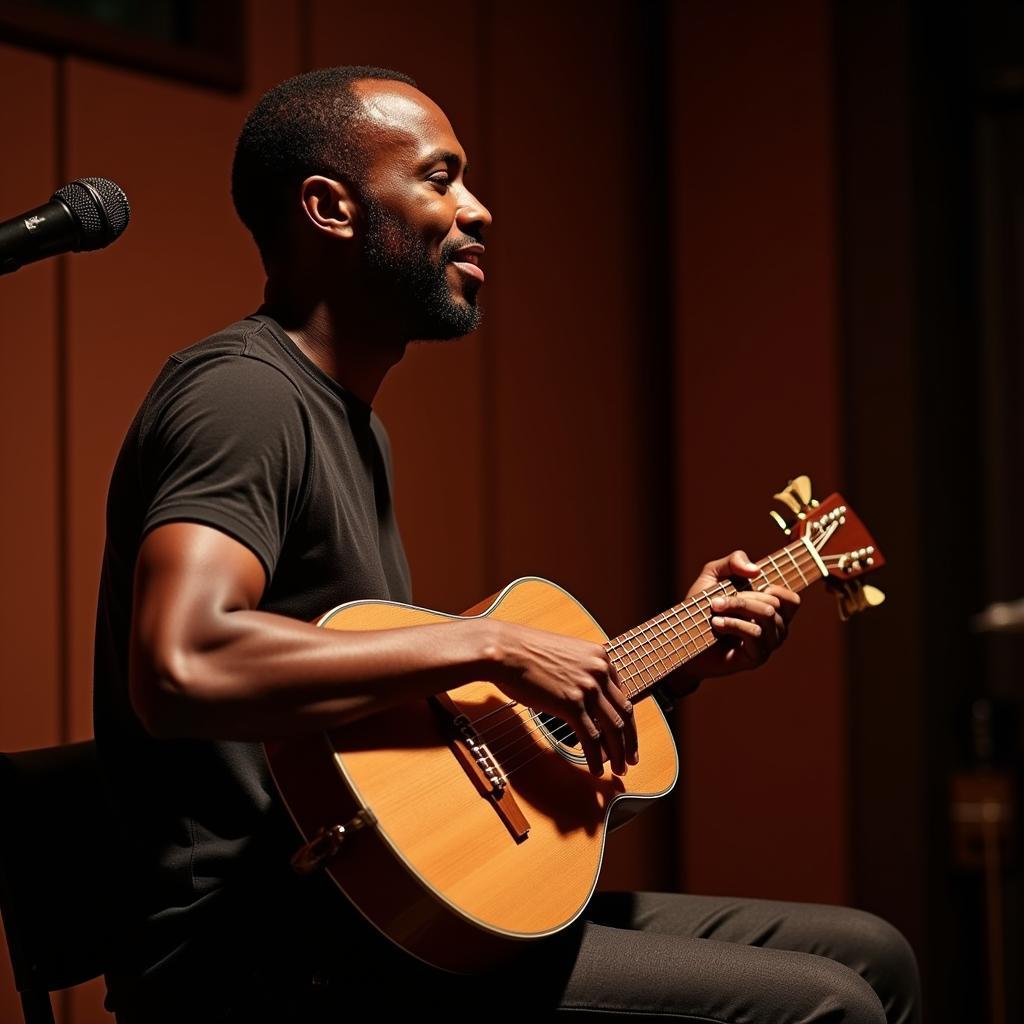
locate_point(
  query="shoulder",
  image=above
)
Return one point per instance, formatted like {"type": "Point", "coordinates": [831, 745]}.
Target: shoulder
{"type": "Point", "coordinates": [239, 352]}
{"type": "Point", "coordinates": [227, 377]}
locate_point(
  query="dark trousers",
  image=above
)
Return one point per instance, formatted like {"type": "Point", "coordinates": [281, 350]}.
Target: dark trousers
{"type": "Point", "coordinates": [633, 955]}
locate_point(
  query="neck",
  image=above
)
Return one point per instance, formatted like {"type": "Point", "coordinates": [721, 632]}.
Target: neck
{"type": "Point", "coordinates": [647, 653]}
{"type": "Point", "coordinates": [340, 335]}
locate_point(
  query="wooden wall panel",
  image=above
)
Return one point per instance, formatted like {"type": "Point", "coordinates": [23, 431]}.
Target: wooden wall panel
{"type": "Point", "coordinates": [531, 447]}
{"type": "Point", "coordinates": [756, 350]}
{"type": "Point", "coordinates": [184, 267]}
{"type": "Point", "coordinates": [29, 604]}
{"type": "Point", "coordinates": [573, 450]}
{"type": "Point", "coordinates": [887, 299]}
{"type": "Point", "coordinates": [29, 711]}
{"type": "Point", "coordinates": [433, 402]}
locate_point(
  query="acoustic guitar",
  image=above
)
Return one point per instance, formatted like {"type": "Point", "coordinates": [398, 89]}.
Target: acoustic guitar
{"type": "Point", "coordinates": [465, 825]}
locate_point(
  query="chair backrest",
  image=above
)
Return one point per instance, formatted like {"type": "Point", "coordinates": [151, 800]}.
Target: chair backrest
{"type": "Point", "coordinates": [56, 874]}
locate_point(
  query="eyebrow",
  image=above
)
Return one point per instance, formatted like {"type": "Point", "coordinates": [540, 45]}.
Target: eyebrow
{"type": "Point", "coordinates": [443, 156]}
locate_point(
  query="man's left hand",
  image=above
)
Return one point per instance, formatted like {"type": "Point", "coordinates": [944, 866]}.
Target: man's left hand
{"type": "Point", "coordinates": [753, 623]}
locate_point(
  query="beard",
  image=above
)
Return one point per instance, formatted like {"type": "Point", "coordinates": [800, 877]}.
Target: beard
{"type": "Point", "coordinates": [408, 282]}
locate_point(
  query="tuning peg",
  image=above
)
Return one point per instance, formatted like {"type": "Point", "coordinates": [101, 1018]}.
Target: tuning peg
{"type": "Point", "coordinates": [784, 525]}
{"type": "Point", "coordinates": [796, 496]}
{"type": "Point", "coordinates": [852, 596]}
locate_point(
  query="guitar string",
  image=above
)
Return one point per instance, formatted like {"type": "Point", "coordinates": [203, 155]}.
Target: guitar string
{"type": "Point", "coordinates": [658, 622]}
{"type": "Point", "coordinates": [649, 661]}
{"type": "Point", "coordinates": [632, 661]}
{"type": "Point", "coordinates": [543, 750]}
{"type": "Point", "coordinates": [638, 659]}
{"type": "Point", "coordinates": [621, 641]}
{"type": "Point", "coordinates": [635, 661]}
{"type": "Point", "coordinates": [563, 733]}
{"type": "Point", "coordinates": [526, 742]}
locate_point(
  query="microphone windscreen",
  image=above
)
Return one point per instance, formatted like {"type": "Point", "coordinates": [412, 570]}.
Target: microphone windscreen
{"type": "Point", "coordinates": [100, 209]}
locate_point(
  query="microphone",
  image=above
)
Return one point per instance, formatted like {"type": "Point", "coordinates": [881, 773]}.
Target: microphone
{"type": "Point", "coordinates": [86, 214]}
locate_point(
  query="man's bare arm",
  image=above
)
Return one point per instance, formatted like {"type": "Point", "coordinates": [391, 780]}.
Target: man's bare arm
{"type": "Point", "coordinates": [206, 663]}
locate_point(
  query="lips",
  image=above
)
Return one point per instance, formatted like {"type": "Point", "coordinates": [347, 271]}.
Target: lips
{"type": "Point", "coordinates": [467, 260]}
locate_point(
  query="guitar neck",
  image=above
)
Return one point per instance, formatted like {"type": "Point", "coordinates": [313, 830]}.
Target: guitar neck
{"type": "Point", "coordinates": [647, 653]}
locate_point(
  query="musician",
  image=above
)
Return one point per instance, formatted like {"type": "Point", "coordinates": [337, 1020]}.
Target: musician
{"type": "Point", "coordinates": [251, 494]}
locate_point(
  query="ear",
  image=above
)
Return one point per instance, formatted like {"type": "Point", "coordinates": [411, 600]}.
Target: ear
{"type": "Point", "coordinates": [329, 206]}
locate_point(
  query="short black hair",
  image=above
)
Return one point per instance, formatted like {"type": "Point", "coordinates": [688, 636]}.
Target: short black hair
{"type": "Point", "coordinates": [306, 125]}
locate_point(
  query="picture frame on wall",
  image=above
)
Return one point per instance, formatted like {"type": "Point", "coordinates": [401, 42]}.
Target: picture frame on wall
{"type": "Point", "coordinates": [189, 40]}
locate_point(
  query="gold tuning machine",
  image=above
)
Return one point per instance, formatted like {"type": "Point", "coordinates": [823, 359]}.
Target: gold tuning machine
{"type": "Point", "coordinates": [796, 497]}
{"type": "Point", "coordinates": [852, 596]}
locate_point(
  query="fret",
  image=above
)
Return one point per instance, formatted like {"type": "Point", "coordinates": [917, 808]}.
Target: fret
{"type": "Point", "coordinates": [625, 676]}
{"type": "Point", "coordinates": [640, 660]}
{"type": "Point", "coordinates": [668, 644]}
{"type": "Point", "coordinates": [795, 566]}
{"type": "Point", "coordinates": [723, 591]}
{"type": "Point", "coordinates": [687, 626]}
{"type": "Point", "coordinates": [646, 653]}
{"type": "Point", "coordinates": [687, 645]}
{"type": "Point", "coordinates": [702, 619]}
{"type": "Point", "coordinates": [709, 614]}
{"type": "Point", "coordinates": [639, 676]}
{"type": "Point", "coordinates": [686, 629]}
{"type": "Point", "coordinates": [627, 661]}
{"type": "Point", "coordinates": [633, 670]}
{"type": "Point", "coordinates": [654, 652]}
{"type": "Point", "coordinates": [657, 647]}
{"type": "Point", "coordinates": [782, 575]}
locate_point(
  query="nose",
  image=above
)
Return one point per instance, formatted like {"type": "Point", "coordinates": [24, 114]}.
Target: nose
{"type": "Point", "coordinates": [472, 213]}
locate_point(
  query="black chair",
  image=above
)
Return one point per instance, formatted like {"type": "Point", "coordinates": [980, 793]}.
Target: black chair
{"type": "Point", "coordinates": [56, 879]}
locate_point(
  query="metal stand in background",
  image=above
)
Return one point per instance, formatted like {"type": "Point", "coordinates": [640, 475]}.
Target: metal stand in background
{"type": "Point", "coordinates": [983, 811]}
{"type": "Point", "coordinates": [1001, 617]}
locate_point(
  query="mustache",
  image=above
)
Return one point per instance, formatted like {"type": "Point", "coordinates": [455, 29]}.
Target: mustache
{"type": "Point", "coordinates": [449, 249]}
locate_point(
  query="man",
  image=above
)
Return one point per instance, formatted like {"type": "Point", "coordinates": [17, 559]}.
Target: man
{"type": "Point", "coordinates": [251, 494]}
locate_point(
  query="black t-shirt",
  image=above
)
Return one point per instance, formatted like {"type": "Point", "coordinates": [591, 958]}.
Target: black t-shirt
{"type": "Point", "coordinates": [244, 433]}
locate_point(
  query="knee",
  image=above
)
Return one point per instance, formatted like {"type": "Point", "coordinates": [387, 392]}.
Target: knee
{"type": "Point", "coordinates": [846, 996]}
{"type": "Point", "coordinates": [886, 960]}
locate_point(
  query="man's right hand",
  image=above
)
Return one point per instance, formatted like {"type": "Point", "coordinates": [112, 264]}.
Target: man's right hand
{"type": "Point", "coordinates": [574, 680]}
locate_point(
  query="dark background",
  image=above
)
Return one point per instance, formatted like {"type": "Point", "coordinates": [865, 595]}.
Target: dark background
{"type": "Point", "coordinates": [733, 242]}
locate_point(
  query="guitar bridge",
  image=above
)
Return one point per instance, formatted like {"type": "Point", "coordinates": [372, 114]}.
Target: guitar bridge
{"type": "Point", "coordinates": [480, 765]}
{"type": "Point", "coordinates": [481, 755]}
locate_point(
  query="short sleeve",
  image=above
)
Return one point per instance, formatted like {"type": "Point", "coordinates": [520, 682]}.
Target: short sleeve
{"type": "Point", "coordinates": [228, 447]}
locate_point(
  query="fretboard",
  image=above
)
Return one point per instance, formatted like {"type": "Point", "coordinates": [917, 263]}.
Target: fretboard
{"type": "Point", "coordinates": [649, 652]}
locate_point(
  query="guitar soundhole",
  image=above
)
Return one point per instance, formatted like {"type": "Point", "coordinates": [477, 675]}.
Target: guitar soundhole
{"type": "Point", "coordinates": [558, 731]}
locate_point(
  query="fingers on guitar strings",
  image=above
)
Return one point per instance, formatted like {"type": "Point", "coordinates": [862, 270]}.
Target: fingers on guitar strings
{"type": "Point", "coordinates": [620, 708]}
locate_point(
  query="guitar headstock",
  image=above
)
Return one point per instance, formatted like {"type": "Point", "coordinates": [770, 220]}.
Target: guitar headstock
{"type": "Point", "coordinates": [842, 542]}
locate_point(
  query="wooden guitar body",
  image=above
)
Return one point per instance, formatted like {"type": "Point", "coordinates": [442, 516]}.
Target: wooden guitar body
{"type": "Point", "coordinates": [455, 875]}
{"type": "Point", "coordinates": [466, 825]}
